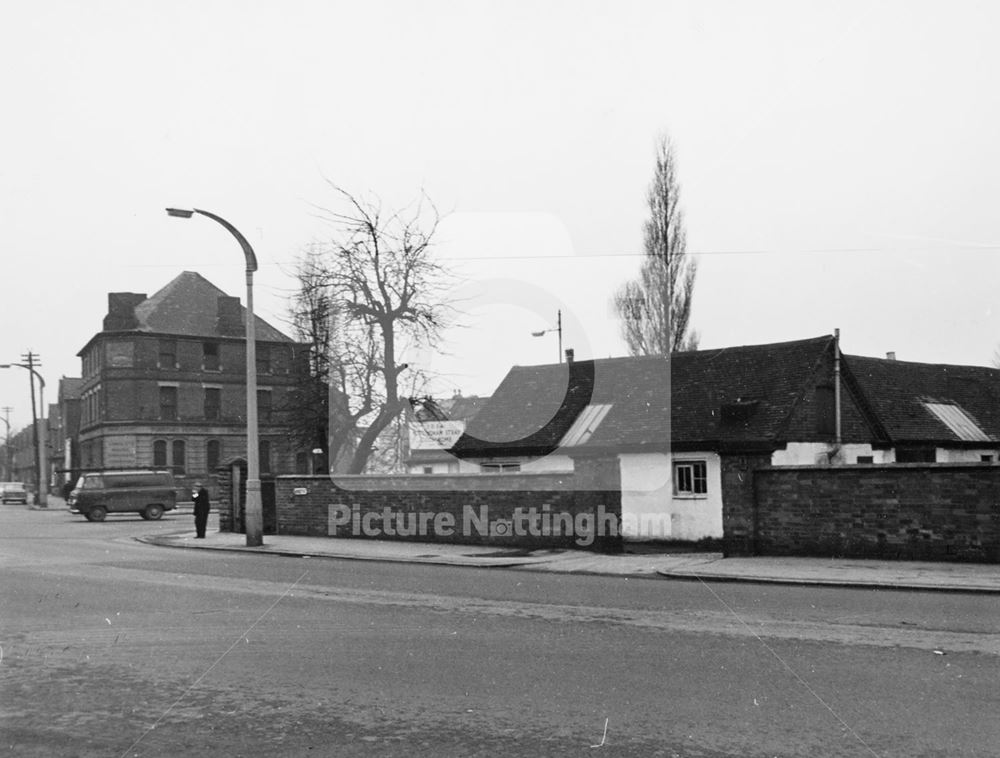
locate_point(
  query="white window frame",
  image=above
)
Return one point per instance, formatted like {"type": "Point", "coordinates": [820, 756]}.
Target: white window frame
{"type": "Point", "coordinates": [691, 485]}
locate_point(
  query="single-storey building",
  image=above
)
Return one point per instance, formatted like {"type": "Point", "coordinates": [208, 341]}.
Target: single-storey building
{"type": "Point", "coordinates": [688, 431]}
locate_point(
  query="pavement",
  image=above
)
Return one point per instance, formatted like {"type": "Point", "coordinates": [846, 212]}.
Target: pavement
{"type": "Point", "coordinates": [638, 561]}
{"type": "Point", "coordinates": [838, 572]}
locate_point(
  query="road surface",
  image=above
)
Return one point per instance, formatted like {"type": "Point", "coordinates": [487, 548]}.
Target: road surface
{"type": "Point", "coordinates": [111, 647]}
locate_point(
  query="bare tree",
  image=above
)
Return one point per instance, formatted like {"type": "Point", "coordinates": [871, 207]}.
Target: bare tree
{"type": "Point", "coordinates": [311, 320]}
{"type": "Point", "coordinates": [379, 293]}
{"type": "Point", "coordinates": [655, 308]}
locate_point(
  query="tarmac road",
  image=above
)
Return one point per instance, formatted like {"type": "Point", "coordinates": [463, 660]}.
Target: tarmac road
{"type": "Point", "coordinates": [111, 647]}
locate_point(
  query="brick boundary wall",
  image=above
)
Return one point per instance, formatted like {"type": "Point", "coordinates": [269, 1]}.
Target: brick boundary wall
{"type": "Point", "coordinates": [947, 512]}
{"type": "Point", "coordinates": [306, 505]}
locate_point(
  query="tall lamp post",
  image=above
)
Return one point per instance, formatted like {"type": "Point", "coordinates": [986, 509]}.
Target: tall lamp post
{"type": "Point", "coordinates": [254, 518]}
{"type": "Point", "coordinates": [41, 457]}
{"type": "Point", "coordinates": [557, 329]}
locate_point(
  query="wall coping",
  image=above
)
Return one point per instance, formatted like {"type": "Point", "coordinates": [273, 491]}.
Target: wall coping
{"type": "Point", "coordinates": [854, 467]}
{"type": "Point", "coordinates": [437, 482]}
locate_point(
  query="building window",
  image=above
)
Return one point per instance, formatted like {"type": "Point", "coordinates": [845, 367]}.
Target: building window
{"type": "Point", "coordinates": [264, 405]}
{"type": "Point", "coordinates": [986, 458]}
{"type": "Point", "coordinates": [263, 354]}
{"type": "Point", "coordinates": [168, 354]}
{"type": "Point", "coordinates": [302, 463]}
{"type": "Point", "coordinates": [213, 403]}
{"type": "Point", "coordinates": [160, 453]}
{"type": "Point", "coordinates": [210, 356]}
{"type": "Point", "coordinates": [428, 469]}
{"type": "Point", "coordinates": [265, 456]}
{"type": "Point", "coordinates": [168, 403]}
{"type": "Point", "coordinates": [499, 468]}
{"type": "Point", "coordinates": [690, 478]}
{"type": "Point", "coordinates": [866, 459]}
{"type": "Point", "coordinates": [177, 453]}
{"type": "Point", "coordinates": [213, 455]}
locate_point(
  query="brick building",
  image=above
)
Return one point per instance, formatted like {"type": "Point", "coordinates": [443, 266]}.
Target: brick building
{"type": "Point", "coordinates": [64, 432]}
{"type": "Point", "coordinates": [164, 384]}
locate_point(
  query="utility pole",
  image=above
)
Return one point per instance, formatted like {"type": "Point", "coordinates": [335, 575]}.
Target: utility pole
{"type": "Point", "coordinates": [41, 493]}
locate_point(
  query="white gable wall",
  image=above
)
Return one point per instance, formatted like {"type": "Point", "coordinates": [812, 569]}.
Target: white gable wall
{"type": "Point", "coordinates": [958, 455]}
{"type": "Point", "coordinates": [652, 511]}
{"type": "Point", "coordinates": [812, 453]}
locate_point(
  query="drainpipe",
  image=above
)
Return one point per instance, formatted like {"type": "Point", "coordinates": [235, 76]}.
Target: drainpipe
{"type": "Point", "coordinates": [836, 394]}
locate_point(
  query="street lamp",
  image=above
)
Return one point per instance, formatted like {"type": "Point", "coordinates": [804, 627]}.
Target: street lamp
{"type": "Point", "coordinates": [557, 329]}
{"type": "Point", "coordinates": [41, 457]}
{"type": "Point", "coordinates": [254, 518]}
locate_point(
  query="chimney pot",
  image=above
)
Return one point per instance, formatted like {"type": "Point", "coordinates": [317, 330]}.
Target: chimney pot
{"type": "Point", "coordinates": [569, 355]}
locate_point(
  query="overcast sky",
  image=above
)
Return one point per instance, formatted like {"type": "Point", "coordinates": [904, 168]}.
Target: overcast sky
{"type": "Point", "coordinates": [838, 161]}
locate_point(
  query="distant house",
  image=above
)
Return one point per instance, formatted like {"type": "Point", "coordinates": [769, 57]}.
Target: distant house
{"type": "Point", "coordinates": [434, 427]}
{"type": "Point", "coordinates": [164, 383]}
{"type": "Point", "coordinates": [686, 432]}
{"type": "Point", "coordinates": [64, 431]}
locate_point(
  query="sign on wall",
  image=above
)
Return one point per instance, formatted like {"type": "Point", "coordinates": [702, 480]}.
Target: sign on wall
{"type": "Point", "coordinates": [435, 435]}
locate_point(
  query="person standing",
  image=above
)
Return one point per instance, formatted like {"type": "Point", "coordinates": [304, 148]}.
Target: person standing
{"type": "Point", "coordinates": [201, 506]}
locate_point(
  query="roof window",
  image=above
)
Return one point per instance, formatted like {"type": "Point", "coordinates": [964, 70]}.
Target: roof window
{"type": "Point", "coordinates": [585, 425]}
{"type": "Point", "coordinates": [956, 419]}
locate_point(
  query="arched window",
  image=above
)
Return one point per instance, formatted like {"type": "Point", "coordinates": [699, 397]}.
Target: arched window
{"type": "Point", "coordinates": [159, 453]}
{"type": "Point", "coordinates": [178, 456]}
{"type": "Point", "coordinates": [213, 454]}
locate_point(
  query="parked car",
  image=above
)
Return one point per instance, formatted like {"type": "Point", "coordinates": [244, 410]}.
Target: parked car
{"type": "Point", "coordinates": [14, 492]}
{"type": "Point", "coordinates": [148, 493]}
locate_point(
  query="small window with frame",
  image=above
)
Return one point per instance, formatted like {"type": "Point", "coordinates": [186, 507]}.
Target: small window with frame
{"type": "Point", "coordinates": [690, 478]}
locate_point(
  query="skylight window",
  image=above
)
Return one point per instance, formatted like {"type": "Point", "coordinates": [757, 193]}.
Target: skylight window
{"type": "Point", "coordinates": [585, 425]}
{"type": "Point", "coordinates": [956, 419]}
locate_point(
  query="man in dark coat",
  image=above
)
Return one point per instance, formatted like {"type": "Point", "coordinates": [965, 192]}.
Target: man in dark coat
{"type": "Point", "coordinates": [200, 497]}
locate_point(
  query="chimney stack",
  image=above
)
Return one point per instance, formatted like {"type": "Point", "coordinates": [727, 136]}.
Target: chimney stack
{"type": "Point", "coordinates": [569, 355]}
{"type": "Point", "coordinates": [121, 311]}
{"type": "Point", "coordinates": [891, 355]}
{"type": "Point", "coordinates": [229, 318]}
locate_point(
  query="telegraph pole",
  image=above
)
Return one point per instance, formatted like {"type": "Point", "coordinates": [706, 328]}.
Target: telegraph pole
{"type": "Point", "coordinates": [41, 491]}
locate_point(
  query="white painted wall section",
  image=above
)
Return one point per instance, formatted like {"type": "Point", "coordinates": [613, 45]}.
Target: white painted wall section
{"type": "Point", "coordinates": [652, 511]}
{"type": "Point", "coordinates": [956, 455]}
{"type": "Point", "coordinates": [817, 453]}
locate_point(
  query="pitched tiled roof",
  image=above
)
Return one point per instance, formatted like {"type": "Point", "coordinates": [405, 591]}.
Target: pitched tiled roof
{"type": "Point", "coordinates": [188, 305]}
{"type": "Point", "coordinates": [70, 388]}
{"type": "Point", "coordinates": [898, 390]}
{"type": "Point", "coordinates": [729, 396]}
{"type": "Point", "coordinates": [461, 408]}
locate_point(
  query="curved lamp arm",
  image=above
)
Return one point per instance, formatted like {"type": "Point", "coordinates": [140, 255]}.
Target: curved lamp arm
{"type": "Point", "coordinates": [247, 250]}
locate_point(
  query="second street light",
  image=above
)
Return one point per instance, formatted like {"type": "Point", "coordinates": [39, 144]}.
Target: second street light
{"type": "Point", "coordinates": [557, 329]}
{"type": "Point", "coordinates": [254, 517]}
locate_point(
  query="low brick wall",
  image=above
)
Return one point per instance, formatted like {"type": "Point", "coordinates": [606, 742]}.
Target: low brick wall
{"type": "Point", "coordinates": [523, 510]}
{"type": "Point", "coordinates": [901, 511]}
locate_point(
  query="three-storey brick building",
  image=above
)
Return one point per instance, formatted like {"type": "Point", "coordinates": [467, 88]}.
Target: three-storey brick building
{"type": "Point", "coordinates": [164, 383]}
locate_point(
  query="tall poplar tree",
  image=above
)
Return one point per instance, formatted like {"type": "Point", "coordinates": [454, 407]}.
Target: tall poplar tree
{"type": "Point", "coordinates": [655, 308]}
